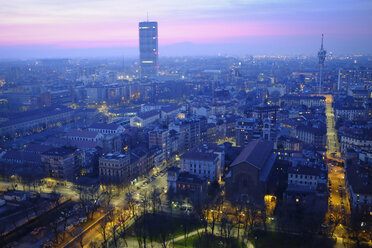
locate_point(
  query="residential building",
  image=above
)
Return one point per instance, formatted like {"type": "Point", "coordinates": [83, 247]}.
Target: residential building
{"type": "Point", "coordinates": [62, 163]}
{"type": "Point", "coordinates": [114, 168]}
{"type": "Point", "coordinates": [202, 164]}
{"type": "Point", "coordinates": [316, 136]}
{"type": "Point", "coordinates": [144, 119]}
{"type": "Point", "coordinates": [358, 182]}
{"type": "Point", "coordinates": [355, 137]}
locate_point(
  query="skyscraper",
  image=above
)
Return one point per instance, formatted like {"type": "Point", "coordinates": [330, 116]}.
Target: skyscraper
{"type": "Point", "coordinates": [148, 45]}
{"type": "Point", "coordinates": [322, 56]}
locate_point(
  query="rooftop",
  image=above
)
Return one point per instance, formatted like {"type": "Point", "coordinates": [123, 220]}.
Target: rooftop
{"type": "Point", "coordinates": [255, 153]}
{"type": "Point", "coordinates": [195, 155]}
{"type": "Point", "coordinates": [60, 151]}
{"type": "Point", "coordinates": [109, 126]}
{"type": "Point", "coordinates": [80, 133]}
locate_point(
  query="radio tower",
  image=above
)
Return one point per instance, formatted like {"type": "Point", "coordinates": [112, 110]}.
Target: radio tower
{"type": "Point", "coordinates": [321, 55]}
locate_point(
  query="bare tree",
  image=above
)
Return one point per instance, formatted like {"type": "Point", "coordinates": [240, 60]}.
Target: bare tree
{"type": "Point", "coordinates": [170, 197]}
{"type": "Point", "coordinates": [115, 235]}
{"type": "Point", "coordinates": [214, 212]}
{"type": "Point", "coordinates": [355, 226]}
{"type": "Point", "coordinates": [250, 215]}
{"type": "Point", "coordinates": [145, 203]}
{"type": "Point", "coordinates": [81, 241]}
{"type": "Point", "coordinates": [337, 218]}
{"type": "Point", "coordinates": [65, 217]}
{"type": "Point", "coordinates": [263, 216]}
{"type": "Point", "coordinates": [130, 203]}
{"type": "Point", "coordinates": [107, 194]}
{"type": "Point", "coordinates": [103, 228]}
{"type": "Point", "coordinates": [54, 226]}
{"type": "Point", "coordinates": [238, 215]}
{"type": "Point", "coordinates": [90, 198]}
{"type": "Point", "coordinates": [155, 200]}
{"type": "Point", "coordinates": [186, 229]}
{"type": "Point", "coordinates": [139, 230]}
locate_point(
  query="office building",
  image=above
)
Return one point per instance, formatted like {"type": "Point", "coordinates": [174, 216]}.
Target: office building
{"type": "Point", "coordinates": [148, 45]}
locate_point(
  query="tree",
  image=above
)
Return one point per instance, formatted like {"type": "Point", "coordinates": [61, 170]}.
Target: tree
{"type": "Point", "coordinates": [214, 212]}
{"type": "Point", "coordinates": [355, 227]}
{"type": "Point", "coordinates": [145, 203]}
{"type": "Point", "coordinates": [130, 203]}
{"type": "Point", "coordinates": [139, 230]}
{"type": "Point", "coordinates": [115, 235]}
{"type": "Point", "coordinates": [81, 241]}
{"type": "Point", "coordinates": [155, 200]}
{"type": "Point", "coordinates": [90, 198]}
{"type": "Point", "coordinates": [263, 216]}
{"type": "Point", "coordinates": [64, 221]}
{"type": "Point", "coordinates": [103, 227]}
{"type": "Point", "coordinates": [186, 229]}
{"type": "Point", "coordinates": [238, 214]}
{"type": "Point", "coordinates": [199, 210]}
{"type": "Point", "coordinates": [170, 198]}
{"type": "Point", "coordinates": [337, 218]}
{"type": "Point", "coordinates": [54, 226]}
{"type": "Point", "coordinates": [107, 194]}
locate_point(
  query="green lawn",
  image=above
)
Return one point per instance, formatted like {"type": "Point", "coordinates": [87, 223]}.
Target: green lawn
{"type": "Point", "coordinates": [190, 241]}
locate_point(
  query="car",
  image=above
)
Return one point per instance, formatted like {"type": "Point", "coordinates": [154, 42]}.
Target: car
{"type": "Point", "coordinates": [36, 231]}
{"type": "Point", "coordinates": [83, 219]}
{"type": "Point", "coordinates": [69, 227]}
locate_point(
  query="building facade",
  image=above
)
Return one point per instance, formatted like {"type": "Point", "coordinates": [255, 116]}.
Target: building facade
{"type": "Point", "coordinates": [202, 164]}
{"type": "Point", "coordinates": [62, 163]}
{"type": "Point", "coordinates": [114, 168]}
{"type": "Point", "coordinates": [148, 46]}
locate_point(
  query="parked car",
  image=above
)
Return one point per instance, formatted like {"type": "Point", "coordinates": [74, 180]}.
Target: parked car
{"type": "Point", "coordinates": [36, 231]}
{"type": "Point", "coordinates": [69, 227]}
{"type": "Point", "coordinates": [83, 219]}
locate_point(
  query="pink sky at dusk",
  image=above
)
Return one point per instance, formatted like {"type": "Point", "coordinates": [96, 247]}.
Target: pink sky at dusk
{"type": "Point", "coordinates": [114, 23]}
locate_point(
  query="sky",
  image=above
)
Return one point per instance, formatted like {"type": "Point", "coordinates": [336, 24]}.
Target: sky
{"type": "Point", "coordinates": [89, 28]}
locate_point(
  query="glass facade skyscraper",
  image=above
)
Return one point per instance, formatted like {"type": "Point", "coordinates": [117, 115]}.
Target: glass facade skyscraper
{"type": "Point", "coordinates": [148, 45]}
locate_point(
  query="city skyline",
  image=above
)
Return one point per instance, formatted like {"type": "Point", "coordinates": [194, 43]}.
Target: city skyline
{"type": "Point", "coordinates": [107, 28]}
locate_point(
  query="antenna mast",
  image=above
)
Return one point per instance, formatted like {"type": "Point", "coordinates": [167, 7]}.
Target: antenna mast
{"type": "Point", "coordinates": [321, 55]}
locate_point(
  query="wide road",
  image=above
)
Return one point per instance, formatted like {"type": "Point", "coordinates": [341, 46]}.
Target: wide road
{"type": "Point", "coordinates": [338, 204]}
{"type": "Point", "coordinates": [333, 146]}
